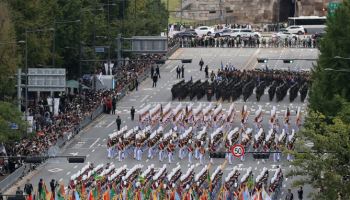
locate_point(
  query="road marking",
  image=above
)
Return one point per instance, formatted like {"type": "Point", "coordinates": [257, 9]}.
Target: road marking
{"type": "Point", "coordinates": [93, 144]}
{"type": "Point", "coordinates": [142, 105]}
{"type": "Point", "coordinates": [61, 179]}
{"type": "Point", "coordinates": [75, 166]}
{"type": "Point", "coordinates": [68, 173]}
{"type": "Point", "coordinates": [74, 154]}
{"type": "Point", "coordinates": [144, 98]}
{"type": "Point", "coordinates": [93, 150]}
{"type": "Point", "coordinates": [104, 140]}
{"type": "Point", "coordinates": [173, 69]}
{"type": "Point", "coordinates": [54, 170]}
{"type": "Point", "coordinates": [87, 155]}
{"type": "Point", "coordinates": [110, 124]}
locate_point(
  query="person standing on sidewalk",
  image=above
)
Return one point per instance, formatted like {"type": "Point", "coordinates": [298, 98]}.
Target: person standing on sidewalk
{"type": "Point", "coordinates": [182, 71]}
{"type": "Point", "coordinates": [157, 71]}
{"type": "Point", "coordinates": [119, 122]}
{"type": "Point", "coordinates": [114, 104]}
{"type": "Point", "coordinates": [201, 63]}
{"type": "Point", "coordinates": [300, 193]}
{"type": "Point", "coordinates": [132, 112]}
{"type": "Point", "coordinates": [289, 195]}
{"type": "Point", "coordinates": [28, 188]}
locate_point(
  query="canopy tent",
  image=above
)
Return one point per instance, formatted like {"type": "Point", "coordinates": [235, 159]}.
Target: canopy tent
{"type": "Point", "coordinates": [72, 86]}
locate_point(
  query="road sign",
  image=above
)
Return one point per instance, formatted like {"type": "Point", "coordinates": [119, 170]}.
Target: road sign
{"type": "Point", "coordinates": [332, 7]}
{"type": "Point", "coordinates": [237, 150]}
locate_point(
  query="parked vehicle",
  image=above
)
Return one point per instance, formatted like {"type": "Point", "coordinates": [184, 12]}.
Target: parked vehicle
{"type": "Point", "coordinates": [222, 33]}
{"type": "Point", "coordinates": [188, 33]}
{"type": "Point", "coordinates": [238, 33]}
{"type": "Point", "coordinates": [284, 35]}
{"type": "Point", "coordinates": [296, 30]}
{"type": "Point", "coordinates": [204, 30]}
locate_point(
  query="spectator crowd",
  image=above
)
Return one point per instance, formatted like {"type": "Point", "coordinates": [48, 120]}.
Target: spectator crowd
{"type": "Point", "coordinates": [48, 128]}
{"type": "Point", "coordinates": [247, 42]}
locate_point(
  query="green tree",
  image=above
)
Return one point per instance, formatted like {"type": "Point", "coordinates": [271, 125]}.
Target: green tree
{"type": "Point", "coordinates": [8, 65]}
{"type": "Point", "coordinates": [325, 164]}
{"type": "Point", "coordinates": [327, 84]}
{"type": "Point", "coordinates": [8, 53]}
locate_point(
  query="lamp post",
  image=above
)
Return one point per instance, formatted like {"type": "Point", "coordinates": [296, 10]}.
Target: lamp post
{"type": "Point", "coordinates": [341, 58]}
{"type": "Point", "coordinates": [337, 70]}
{"type": "Point", "coordinates": [18, 74]}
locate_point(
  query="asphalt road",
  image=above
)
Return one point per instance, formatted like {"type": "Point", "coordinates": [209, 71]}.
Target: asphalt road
{"type": "Point", "coordinates": [91, 142]}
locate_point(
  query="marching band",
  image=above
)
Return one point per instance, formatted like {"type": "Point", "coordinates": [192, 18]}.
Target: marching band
{"type": "Point", "coordinates": [197, 130]}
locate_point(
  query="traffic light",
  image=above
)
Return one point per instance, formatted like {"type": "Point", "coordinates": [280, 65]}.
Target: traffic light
{"type": "Point", "coordinates": [34, 160]}
{"type": "Point", "coordinates": [76, 159]}
{"type": "Point", "coordinates": [262, 60]}
{"type": "Point", "coordinates": [288, 61]}
{"type": "Point", "coordinates": [160, 62]}
{"type": "Point", "coordinates": [186, 60]}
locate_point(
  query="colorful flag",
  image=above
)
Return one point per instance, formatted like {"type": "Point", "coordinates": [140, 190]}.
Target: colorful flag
{"type": "Point", "coordinates": [106, 194]}
{"type": "Point", "coordinates": [264, 195]}
{"type": "Point", "coordinates": [91, 196]}
{"type": "Point", "coordinates": [76, 195]}
{"type": "Point", "coordinates": [60, 193]}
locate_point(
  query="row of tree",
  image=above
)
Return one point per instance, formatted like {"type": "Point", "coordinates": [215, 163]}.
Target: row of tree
{"type": "Point", "coordinates": [326, 165]}
{"type": "Point", "coordinates": [60, 33]}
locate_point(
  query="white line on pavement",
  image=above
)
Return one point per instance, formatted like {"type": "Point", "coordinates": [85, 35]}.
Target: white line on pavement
{"type": "Point", "coordinates": [142, 105]}
{"type": "Point", "coordinates": [144, 98]}
{"type": "Point", "coordinates": [75, 166]}
{"type": "Point", "coordinates": [110, 124]}
{"type": "Point", "coordinates": [60, 180]}
{"type": "Point", "coordinates": [87, 155]}
{"type": "Point", "coordinates": [68, 173]}
{"type": "Point", "coordinates": [93, 150]}
{"type": "Point", "coordinates": [173, 69]}
{"type": "Point", "coordinates": [94, 143]}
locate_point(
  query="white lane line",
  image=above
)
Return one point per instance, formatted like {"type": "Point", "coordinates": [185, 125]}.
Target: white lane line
{"type": "Point", "coordinates": [68, 173]}
{"type": "Point", "coordinates": [75, 166]}
{"type": "Point", "coordinates": [173, 68]}
{"type": "Point", "coordinates": [142, 105]}
{"type": "Point", "coordinates": [104, 140]}
{"type": "Point", "coordinates": [93, 144]}
{"type": "Point", "coordinates": [61, 179]}
{"type": "Point", "coordinates": [144, 98]}
{"type": "Point", "coordinates": [110, 124]}
{"type": "Point", "coordinates": [93, 150]}
{"type": "Point", "coordinates": [87, 155]}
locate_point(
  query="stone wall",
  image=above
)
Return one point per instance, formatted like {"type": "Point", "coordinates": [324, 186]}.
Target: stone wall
{"type": "Point", "coordinates": [243, 11]}
{"type": "Point", "coordinates": [251, 11]}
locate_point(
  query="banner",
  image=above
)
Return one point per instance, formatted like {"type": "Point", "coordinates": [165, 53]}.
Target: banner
{"type": "Point", "coordinates": [56, 106]}
{"type": "Point", "coordinates": [109, 69]}
{"type": "Point", "coordinates": [49, 103]}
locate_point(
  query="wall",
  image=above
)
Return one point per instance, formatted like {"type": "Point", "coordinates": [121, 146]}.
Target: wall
{"type": "Point", "coordinates": [251, 11]}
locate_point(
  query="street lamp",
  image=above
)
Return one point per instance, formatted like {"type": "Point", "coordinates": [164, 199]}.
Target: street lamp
{"type": "Point", "coordinates": [18, 74]}
{"type": "Point", "coordinates": [341, 58]}
{"type": "Point", "coordinates": [337, 70]}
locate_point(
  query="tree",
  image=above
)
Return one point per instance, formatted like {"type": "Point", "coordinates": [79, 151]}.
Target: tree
{"type": "Point", "coordinates": [8, 64]}
{"type": "Point", "coordinates": [327, 84]}
{"type": "Point", "coordinates": [325, 164]}
{"type": "Point", "coordinates": [8, 53]}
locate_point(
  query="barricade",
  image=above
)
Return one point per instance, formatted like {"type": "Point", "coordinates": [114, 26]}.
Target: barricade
{"type": "Point", "coordinates": [13, 177]}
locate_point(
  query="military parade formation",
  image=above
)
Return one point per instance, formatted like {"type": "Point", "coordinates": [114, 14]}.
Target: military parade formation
{"type": "Point", "coordinates": [202, 131]}
{"type": "Point", "coordinates": [96, 182]}
{"type": "Point", "coordinates": [230, 84]}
